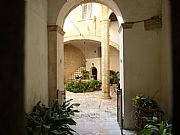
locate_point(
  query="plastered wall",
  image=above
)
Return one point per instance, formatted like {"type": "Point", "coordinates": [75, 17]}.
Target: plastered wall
{"type": "Point", "coordinates": [75, 25]}
{"type": "Point", "coordinates": [166, 69]}
{"type": "Point", "coordinates": [142, 67]}
{"type": "Point", "coordinates": [36, 53]}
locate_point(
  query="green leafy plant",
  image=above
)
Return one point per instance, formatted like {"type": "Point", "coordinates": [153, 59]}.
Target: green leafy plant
{"type": "Point", "coordinates": [83, 86]}
{"type": "Point", "coordinates": [145, 108]}
{"type": "Point", "coordinates": [141, 101]}
{"type": "Point", "coordinates": [85, 74]}
{"type": "Point", "coordinates": [162, 128]}
{"type": "Point", "coordinates": [52, 120]}
{"type": "Point", "coordinates": [94, 83]}
{"type": "Point", "coordinates": [114, 77]}
{"type": "Point", "coordinates": [98, 84]}
{"type": "Point", "coordinates": [77, 86]}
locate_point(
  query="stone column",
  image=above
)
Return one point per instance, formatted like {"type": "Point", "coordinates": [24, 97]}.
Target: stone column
{"type": "Point", "coordinates": [60, 64]}
{"type": "Point", "coordinates": [54, 60]}
{"type": "Point", "coordinates": [105, 59]}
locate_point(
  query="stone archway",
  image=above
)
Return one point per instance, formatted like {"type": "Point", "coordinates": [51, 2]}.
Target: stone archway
{"type": "Point", "coordinates": [89, 37]}
{"type": "Point", "coordinates": [143, 69]}
{"type": "Point", "coordinates": [104, 39]}
{"type": "Point", "coordinates": [70, 5]}
{"type": "Point", "coordinates": [56, 35]}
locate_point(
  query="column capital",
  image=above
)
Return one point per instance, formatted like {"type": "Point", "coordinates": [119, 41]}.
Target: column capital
{"type": "Point", "coordinates": [153, 23]}
{"type": "Point", "coordinates": [127, 25]}
{"type": "Point", "coordinates": [105, 21]}
{"type": "Point", "coordinates": [56, 28]}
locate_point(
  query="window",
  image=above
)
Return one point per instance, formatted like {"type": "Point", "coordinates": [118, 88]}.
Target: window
{"type": "Point", "coordinates": [87, 11]}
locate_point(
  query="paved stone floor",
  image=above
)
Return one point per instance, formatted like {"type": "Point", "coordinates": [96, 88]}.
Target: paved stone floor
{"type": "Point", "coordinates": [97, 116]}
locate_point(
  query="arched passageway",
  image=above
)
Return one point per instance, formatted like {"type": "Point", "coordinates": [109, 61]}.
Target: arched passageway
{"type": "Point", "coordinates": [145, 70]}
{"type": "Point", "coordinates": [105, 51]}
{"type": "Point", "coordinates": [163, 7]}
{"type": "Point", "coordinates": [85, 42]}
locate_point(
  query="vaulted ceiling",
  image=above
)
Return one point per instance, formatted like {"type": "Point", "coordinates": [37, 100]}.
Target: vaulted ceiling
{"type": "Point", "coordinates": [135, 10]}
{"type": "Point", "coordinates": [131, 10]}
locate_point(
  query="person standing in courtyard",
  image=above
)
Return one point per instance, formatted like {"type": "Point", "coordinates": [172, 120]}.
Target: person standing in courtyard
{"type": "Point", "coordinates": [93, 71]}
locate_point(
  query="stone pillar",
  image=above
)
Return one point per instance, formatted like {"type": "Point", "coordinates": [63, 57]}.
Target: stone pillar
{"type": "Point", "coordinates": [60, 64]}
{"type": "Point", "coordinates": [55, 34]}
{"type": "Point", "coordinates": [105, 59]}
{"type": "Point", "coordinates": [52, 61]}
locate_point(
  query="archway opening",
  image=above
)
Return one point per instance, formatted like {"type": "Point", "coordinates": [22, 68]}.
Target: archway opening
{"type": "Point", "coordinates": [83, 41]}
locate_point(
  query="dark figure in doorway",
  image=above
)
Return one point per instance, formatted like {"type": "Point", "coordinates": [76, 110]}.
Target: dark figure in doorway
{"type": "Point", "coordinates": [94, 71]}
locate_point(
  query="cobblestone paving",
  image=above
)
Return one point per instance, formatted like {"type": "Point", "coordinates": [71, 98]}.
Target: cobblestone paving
{"type": "Point", "coordinates": [97, 116]}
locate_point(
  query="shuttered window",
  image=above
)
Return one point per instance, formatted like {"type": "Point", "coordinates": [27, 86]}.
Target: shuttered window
{"type": "Point", "coordinates": [87, 11]}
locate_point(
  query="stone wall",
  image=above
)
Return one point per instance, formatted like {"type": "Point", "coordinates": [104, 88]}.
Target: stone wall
{"type": "Point", "coordinates": [73, 59]}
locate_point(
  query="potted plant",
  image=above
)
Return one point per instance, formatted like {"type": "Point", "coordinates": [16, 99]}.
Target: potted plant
{"type": "Point", "coordinates": [98, 84]}
{"type": "Point", "coordinates": [144, 102]}
{"type": "Point", "coordinates": [94, 84]}
{"type": "Point", "coordinates": [162, 128]}
{"type": "Point", "coordinates": [114, 77]}
{"type": "Point", "coordinates": [145, 107]}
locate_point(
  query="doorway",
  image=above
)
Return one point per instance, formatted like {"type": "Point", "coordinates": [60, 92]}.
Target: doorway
{"type": "Point", "coordinates": [82, 46]}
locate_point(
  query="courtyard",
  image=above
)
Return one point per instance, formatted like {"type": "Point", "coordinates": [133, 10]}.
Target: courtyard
{"type": "Point", "coordinates": [97, 116]}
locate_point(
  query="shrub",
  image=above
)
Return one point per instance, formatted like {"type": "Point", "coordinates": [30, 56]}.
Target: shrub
{"type": "Point", "coordinates": [83, 86]}
{"type": "Point", "coordinates": [114, 77]}
{"type": "Point", "coordinates": [52, 120]}
{"type": "Point", "coordinates": [77, 87]}
{"type": "Point", "coordinates": [94, 83]}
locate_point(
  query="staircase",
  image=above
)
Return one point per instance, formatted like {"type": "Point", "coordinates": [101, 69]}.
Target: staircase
{"type": "Point", "coordinates": [75, 74]}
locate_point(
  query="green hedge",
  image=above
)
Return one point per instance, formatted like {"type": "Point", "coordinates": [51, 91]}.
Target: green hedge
{"type": "Point", "coordinates": [80, 86]}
